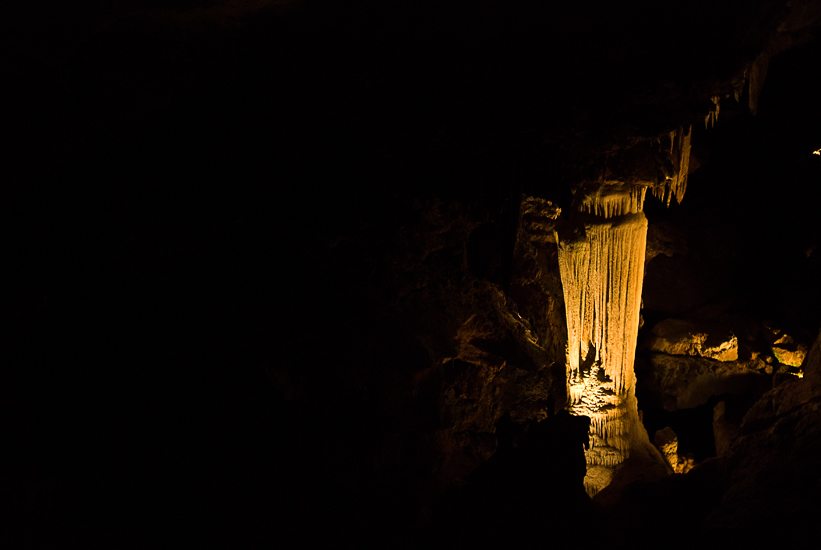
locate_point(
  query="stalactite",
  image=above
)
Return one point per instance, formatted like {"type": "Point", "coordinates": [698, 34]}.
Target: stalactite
{"type": "Point", "coordinates": [680, 154]}
{"type": "Point", "coordinates": [614, 200]}
{"type": "Point", "coordinates": [712, 116]}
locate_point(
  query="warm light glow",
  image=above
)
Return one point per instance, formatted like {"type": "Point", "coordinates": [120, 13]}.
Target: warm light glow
{"type": "Point", "coordinates": [602, 266]}
{"type": "Point", "coordinates": [817, 152]}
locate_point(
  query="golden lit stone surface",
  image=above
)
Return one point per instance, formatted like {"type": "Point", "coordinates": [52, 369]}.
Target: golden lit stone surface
{"type": "Point", "coordinates": [680, 337]}
{"type": "Point", "coordinates": [676, 184]}
{"type": "Point", "coordinates": [788, 351]}
{"type": "Point", "coordinates": [666, 441]}
{"type": "Point", "coordinates": [602, 263]}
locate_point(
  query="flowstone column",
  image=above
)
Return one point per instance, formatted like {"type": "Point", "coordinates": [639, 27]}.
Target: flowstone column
{"type": "Point", "coordinates": [601, 259]}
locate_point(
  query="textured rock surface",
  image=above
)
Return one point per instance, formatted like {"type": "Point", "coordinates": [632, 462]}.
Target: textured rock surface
{"type": "Point", "coordinates": [772, 464]}
{"type": "Point", "coordinates": [535, 285]}
{"type": "Point", "coordinates": [667, 443]}
{"type": "Point", "coordinates": [601, 268]}
{"type": "Point", "coordinates": [687, 382]}
{"type": "Point", "coordinates": [601, 259]}
{"type": "Point", "coordinates": [763, 481]}
{"type": "Point", "coordinates": [499, 368]}
{"type": "Point", "coordinates": [789, 352]}
{"type": "Point", "coordinates": [680, 337]}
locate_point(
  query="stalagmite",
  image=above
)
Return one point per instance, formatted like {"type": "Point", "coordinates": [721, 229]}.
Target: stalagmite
{"type": "Point", "coordinates": [601, 260]}
{"type": "Point", "coordinates": [680, 155]}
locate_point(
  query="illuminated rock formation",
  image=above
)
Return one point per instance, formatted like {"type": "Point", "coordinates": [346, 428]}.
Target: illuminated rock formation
{"type": "Point", "coordinates": [676, 183]}
{"type": "Point", "coordinates": [666, 441]}
{"type": "Point", "coordinates": [712, 116]}
{"type": "Point", "coordinates": [601, 258]}
{"type": "Point", "coordinates": [786, 349]}
{"type": "Point", "coordinates": [680, 337]}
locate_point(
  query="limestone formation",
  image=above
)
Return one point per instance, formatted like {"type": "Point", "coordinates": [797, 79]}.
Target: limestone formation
{"type": "Point", "coordinates": [602, 299]}
{"type": "Point", "coordinates": [680, 156]}
{"type": "Point", "coordinates": [666, 441]}
{"type": "Point", "coordinates": [686, 463]}
{"type": "Point", "coordinates": [786, 347]}
{"type": "Point", "coordinates": [712, 116]}
{"type": "Point", "coordinates": [685, 382]}
{"type": "Point", "coordinates": [614, 200]}
{"type": "Point", "coordinates": [601, 258]}
{"type": "Point", "coordinates": [788, 351]}
{"type": "Point", "coordinates": [771, 468]}
{"type": "Point", "coordinates": [497, 366]}
{"type": "Point", "coordinates": [538, 219]}
{"type": "Point", "coordinates": [681, 337]}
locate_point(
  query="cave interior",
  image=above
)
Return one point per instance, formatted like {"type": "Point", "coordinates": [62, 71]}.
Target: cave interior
{"type": "Point", "coordinates": [288, 271]}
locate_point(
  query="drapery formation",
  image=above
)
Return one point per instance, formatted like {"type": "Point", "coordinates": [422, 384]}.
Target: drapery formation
{"type": "Point", "coordinates": [601, 259]}
{"type": "Point", "coordinates": [676, 185]}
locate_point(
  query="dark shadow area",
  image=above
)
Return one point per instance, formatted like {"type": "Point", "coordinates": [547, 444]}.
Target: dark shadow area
{"type": "Point", "coordinates": [238, 254]}
{"type": "Point", "coordinates": [749, 209]}
{"type": "Point", "coordinates": [534, 479]}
